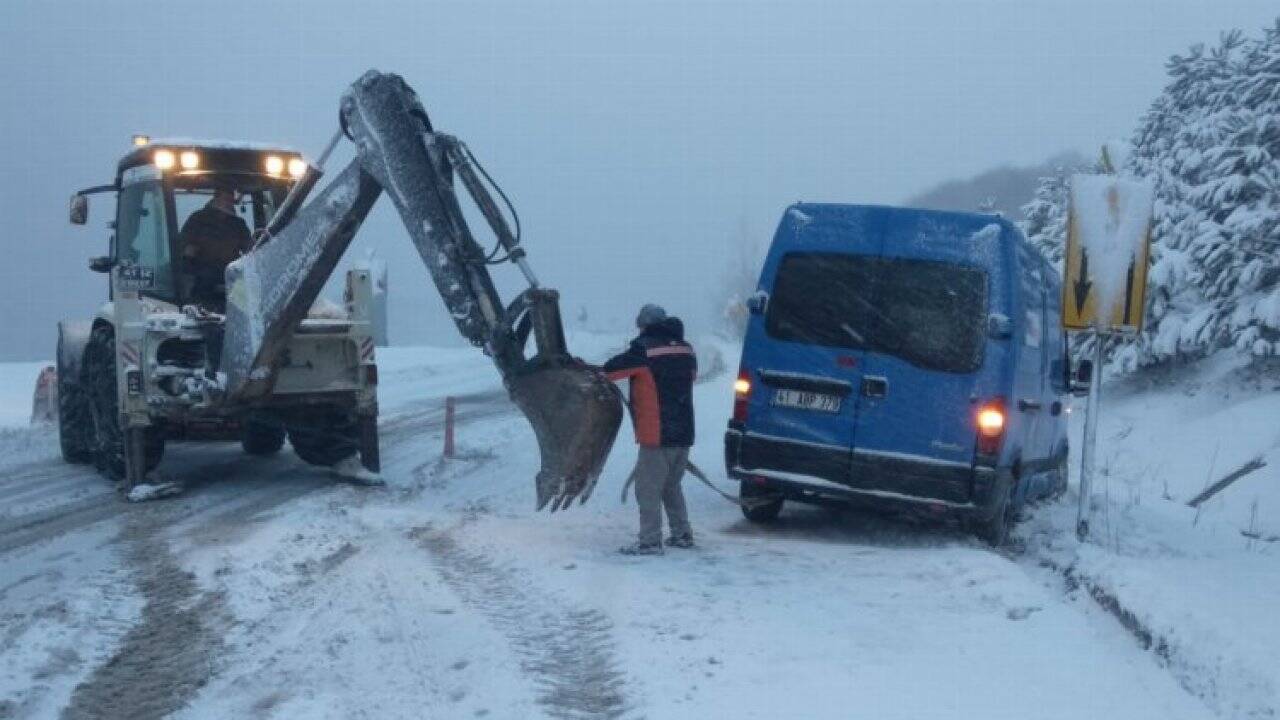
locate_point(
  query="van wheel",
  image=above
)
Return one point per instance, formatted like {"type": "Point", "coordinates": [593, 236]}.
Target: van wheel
{"type": "Point", "coordinates": [759, 505]}
{"type": "Point", "coordinates": [995, 530]}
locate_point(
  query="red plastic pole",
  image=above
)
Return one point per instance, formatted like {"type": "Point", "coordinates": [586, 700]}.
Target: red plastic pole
{"type": "Point", "coordinates": [449, 404]}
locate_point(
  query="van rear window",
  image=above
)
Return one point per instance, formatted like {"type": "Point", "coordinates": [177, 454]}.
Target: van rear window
{"type": "Point", "coordinates": [931, 314]}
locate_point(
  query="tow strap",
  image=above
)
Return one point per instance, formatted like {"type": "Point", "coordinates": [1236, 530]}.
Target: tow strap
{"type": "Point", "coordinates": [694, 470]}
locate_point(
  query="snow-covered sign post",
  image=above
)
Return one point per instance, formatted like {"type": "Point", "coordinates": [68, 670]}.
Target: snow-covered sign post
{"type": "Point", "coordinates": [1105, 283]}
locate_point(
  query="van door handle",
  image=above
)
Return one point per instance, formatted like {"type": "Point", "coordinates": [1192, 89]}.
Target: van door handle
{"type": "Point", "coordinates": [874, 386]}
{"type": "Point", "coordinates": [1028, 405]}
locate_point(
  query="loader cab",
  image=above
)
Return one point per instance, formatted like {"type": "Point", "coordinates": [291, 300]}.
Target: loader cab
{"type": "Point", "coordinates": [159, 186]}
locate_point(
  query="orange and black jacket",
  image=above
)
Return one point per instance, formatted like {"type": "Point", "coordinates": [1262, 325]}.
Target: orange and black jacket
{"type": "Point", "coordinates": [661, 367]}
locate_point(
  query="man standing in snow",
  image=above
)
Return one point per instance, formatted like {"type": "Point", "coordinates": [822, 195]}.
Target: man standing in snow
{"type": "Point", "coordinates": [661, 367]}
{"type": "Point", "coordinates": [211, 238]}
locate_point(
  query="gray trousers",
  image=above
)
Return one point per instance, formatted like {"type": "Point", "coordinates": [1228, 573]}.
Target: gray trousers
{"type": "Point", "coordinates": [657, 482]}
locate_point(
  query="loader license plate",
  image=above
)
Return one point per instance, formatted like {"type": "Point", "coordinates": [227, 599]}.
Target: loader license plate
{"type": "Point", "coordinates": [803, 400]}
{"type": "Point", "coordinates": [136, 277]}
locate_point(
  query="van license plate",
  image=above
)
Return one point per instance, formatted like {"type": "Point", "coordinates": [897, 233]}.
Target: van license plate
{"type": "Point", "coordinates": [802, 400]}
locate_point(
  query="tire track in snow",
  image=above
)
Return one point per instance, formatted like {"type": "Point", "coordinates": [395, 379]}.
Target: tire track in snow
{"type": "Point", "coordinates": [29, 529]}
{"type": "Point", "coordinates": [166, 658]}
{"type": "Point", "coordinates": [84, 477]}
{"type": "Point", "coordinates": [163, 661]}
{"type": "Point", "coordinates": [568, 652]}
{"type": "Point", "coordinates": [219, 476]}
{"type": "Point", "coordinates": [73, 487]}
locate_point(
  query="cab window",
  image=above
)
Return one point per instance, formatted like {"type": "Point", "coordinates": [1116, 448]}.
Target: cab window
{"type": "Point", "coordinates": [250, 206]}
{"type": "Point", "coordinates": [142, 236]}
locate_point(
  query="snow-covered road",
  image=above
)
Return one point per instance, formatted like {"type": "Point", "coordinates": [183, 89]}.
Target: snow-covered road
{"type": "Point", "coordinates": [270, 590]}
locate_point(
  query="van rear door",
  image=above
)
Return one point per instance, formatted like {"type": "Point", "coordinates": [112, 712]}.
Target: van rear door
{"type": "Point", "coordinates": [811, 382]}
{"type": "Point", "coordinates": [926, 338]}
{"type": "Point", "coordinates": [802, 357]}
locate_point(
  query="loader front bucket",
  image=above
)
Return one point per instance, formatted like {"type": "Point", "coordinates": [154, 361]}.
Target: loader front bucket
{"type": "Point", "coordinates": [575, 413]}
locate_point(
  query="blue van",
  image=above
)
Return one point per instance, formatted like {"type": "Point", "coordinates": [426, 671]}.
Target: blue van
{"type": "Point", "coordinates": [904, 359]}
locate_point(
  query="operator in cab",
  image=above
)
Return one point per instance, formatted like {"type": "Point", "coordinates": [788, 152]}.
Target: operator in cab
{"type": "Point", "coordinates": [212, 238]}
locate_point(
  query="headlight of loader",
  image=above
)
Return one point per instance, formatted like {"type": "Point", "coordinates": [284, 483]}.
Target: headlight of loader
{"type": "Point", "coordinates": [164, 159]}
{"type": "Point", "coordinates": [297, 168]}
{"type": "Point", "coordinates": [274, 165]}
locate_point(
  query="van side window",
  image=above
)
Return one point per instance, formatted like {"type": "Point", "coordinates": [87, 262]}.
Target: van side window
{"type": "Point", "coordinates": [931, 314]}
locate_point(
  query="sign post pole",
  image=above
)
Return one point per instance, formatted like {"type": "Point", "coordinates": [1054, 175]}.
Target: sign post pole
{"type": "Point", "coordinates": [1088, 452]}
{"type": "Point", "coordinates": [1108, 222]}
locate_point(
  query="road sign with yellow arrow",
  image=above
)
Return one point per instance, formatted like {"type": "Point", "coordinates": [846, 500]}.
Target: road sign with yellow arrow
{"type": "Point", "coordinates": [1105, 265]}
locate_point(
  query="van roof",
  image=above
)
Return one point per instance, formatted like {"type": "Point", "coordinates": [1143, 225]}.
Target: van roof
{"type": "Point", "coordinates": [803, 212]}
{"type": "Point", "coordinates": [900, 222]}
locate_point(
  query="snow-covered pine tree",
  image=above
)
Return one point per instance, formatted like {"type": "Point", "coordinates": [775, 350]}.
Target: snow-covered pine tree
{"type": "Point", "coordinates": [1242, 197]}
{"type": "Point", "coordinates": [1046, 215]}
{"type": "Point", "coordinates": [1211, 144]}
{"type": "Point", "coordinates": [1171, 147]}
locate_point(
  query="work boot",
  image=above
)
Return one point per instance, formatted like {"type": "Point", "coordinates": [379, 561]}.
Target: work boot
{"type": "Point", "coordinates": [683, 542]}
{"type": "Point", "coordinates": [642, 549]}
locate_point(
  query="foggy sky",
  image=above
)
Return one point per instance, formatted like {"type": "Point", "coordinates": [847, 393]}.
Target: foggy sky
{"type": "Point", "coordinates": [634, 137]}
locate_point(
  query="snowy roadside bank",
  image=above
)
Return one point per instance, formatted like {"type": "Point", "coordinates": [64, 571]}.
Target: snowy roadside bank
{"type": "Point", "coordinates": [1184, 581]}
{"type": "Point", "coordinates": [1204, 609]}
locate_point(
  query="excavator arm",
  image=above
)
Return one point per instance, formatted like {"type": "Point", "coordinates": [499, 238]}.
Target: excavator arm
{"type": "Point", "coordinates": [574, 411]}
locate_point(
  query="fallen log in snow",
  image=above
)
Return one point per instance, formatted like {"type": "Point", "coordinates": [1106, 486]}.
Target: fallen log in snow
{"type": "Point", "coordinates": [1254, 464]}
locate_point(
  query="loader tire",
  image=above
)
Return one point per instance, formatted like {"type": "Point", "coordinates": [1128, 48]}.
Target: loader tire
{"type": "Point", "coordinates": [326, 438]}
{"type": "Point", "coordinates": [370, 451]}
{"type": "Point", "coordinates": [75, 426]}
{"type": "Point", "coordinates": [99, 384]}
{"type": "Point", "coordinates": [261, 438]}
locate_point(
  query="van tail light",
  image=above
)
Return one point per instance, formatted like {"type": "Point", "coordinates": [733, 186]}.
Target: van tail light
{"type": "Point", "coordinates": [991, 419]}
{"type": "Point", "coordinates": [741, 394]}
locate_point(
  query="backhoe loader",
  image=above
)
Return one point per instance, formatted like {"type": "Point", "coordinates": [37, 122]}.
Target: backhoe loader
{"type": "Point", "coordinates": [264, 360]}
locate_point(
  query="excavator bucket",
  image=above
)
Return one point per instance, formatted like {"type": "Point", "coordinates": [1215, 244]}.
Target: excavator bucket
{"type": "Point", "coordinates": [575, 413]}
{"type": "Point", "coordinates": [574, 410]}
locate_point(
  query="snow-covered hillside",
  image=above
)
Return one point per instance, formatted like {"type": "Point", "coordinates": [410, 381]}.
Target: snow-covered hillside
{"type": "Point", "coordinates": [1201, 591]}
{"type": "Point", "coordinates": [270, 590]}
